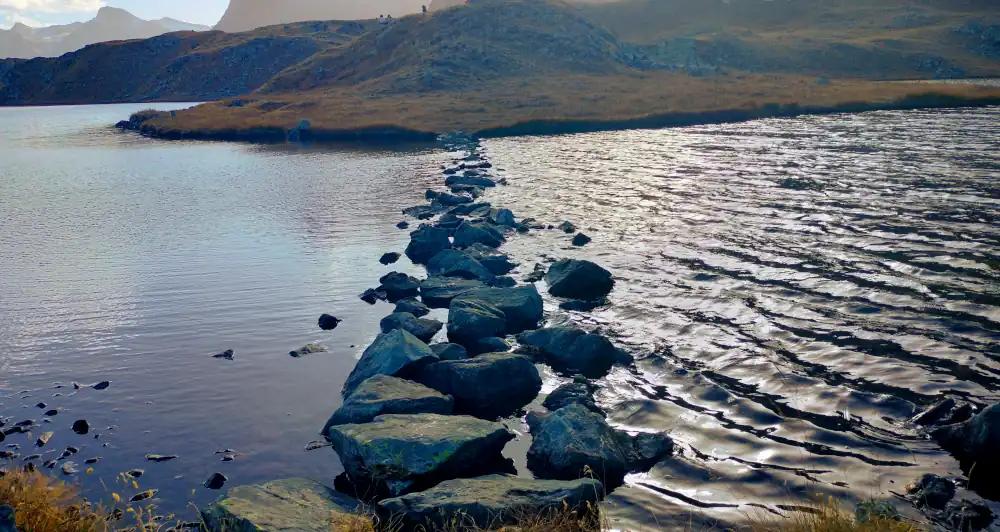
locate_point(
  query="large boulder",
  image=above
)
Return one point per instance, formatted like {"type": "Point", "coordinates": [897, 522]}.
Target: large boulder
{"type": "Point", "coordinates": [471, 320]}
{"type": "Point", "coordinates": [422, 328]}
{"type": "Point", "coordinates": [488, 386]}
{"type": "Point", "coordinates": [502, 217]}
{"type": "Point", "coordinates": [522, 306]}
{"type": "Point", "coordinates": [395, 454]}
{"type": "Point", "coordinates": [573, 350]}
{"type": "Point", "coordinates": [573, 440]}
{"type": "Point", "coordinates": [412, 306]}
{"type": "Point", "coordinates": [975, 440]}
{"type": "Point", "coordinates": [296, 504]}
{"type": "Point", "coordinates": [455, 263]}
{"type": "Point", "coordinates": [577, 392]}
{"type": "Point", "coordinates": [579, 279]}
{"type": "Point", "coordinates": [438, 291]}
{"type": "Point", "coordinates": [497, 262]}
{"type": "Point", "coordinates": [450, 200]}
{"type": "Point", "coordinates": [397, 286]}
{"type": "Point", "coordinates": [485, 502]}
{"type": "Point", "coordinates": [450, 351]}
{"type": "Point", "coordinates": [492, 344]}
{"type": "Point", "coordinates": [426, 242]}
{"type": "Point", "coordinates": [384, 394]}
{"type": "Point", "coordinates": [469, 233]}
{"type": "Point", "coordinates": [397, 353]}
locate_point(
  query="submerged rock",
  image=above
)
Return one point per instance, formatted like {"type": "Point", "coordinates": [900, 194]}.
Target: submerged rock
{"type": "Point", "coordinates": [397, 285]}
{"type": "Point", "coordinates": [216, 481]}
{"type": "Point", "coordinates": [567, 227]}
{"type": "Point", "coordinates": [579, 305]}
{"type": "Point", "coordinates": [537, 274]}
{"type": "Point", "coordinates": [328, 323]}
{"type": "Point", "coordinates": [581, 393]}
{"type": "Point", "coordinates": [573, 440]}
{"type": "Point", "coordinates": [489, 386]}
{"type": "Point", "coordinates": [472, 320]}
{"type": "Point", "coordinates": [944, 412]}
{"type": "Point", "coordinates": [228, 354]}
{"type": "Point", "coordinates": [296, 504]}
{"type": "Point", "coordinates": [975, 440]}
{"type": "Point", "coordinates": [451, 200]}
{"type": "Point", "coordinates": [395, 454]}
{"type": "Point", "coordinates": [384, 394]}
{"type": "Point", "coordinates": [579, 279]}
{"type": "Point", "coordinates": [573, 350]}
{"type": "Point", "coordinates": [412, 306]}
{"type": "Point", "coordinates": [161, 457]}
{"type": "Point", "coordinates": [389, 258]}
{"type": "Point", "coordinates": [308, 349]}
{"type": "Point", "coordinates": [372, 295]}
{"type": "Point", "coordinates": [502, 217]}
{"type": "Point", "coordinates": [403, 225]}
{"type": "Point", "coordinates": [426, 242]}
{"type": "Point", "coordinates": [455, 263]}
{"type": "Point", "coordinates": [476, 181]}
{"type": "Point", "coordinates": [81, 426]}
{"type": "Point", "coordinates": [581, 240]}
{"type": "Point", "coordinates": [493, 500]}
{"type": "Point", "coordinates": [397, 353]}
{"type": "Point", "coordinates": [521, 306]}
{"type": "Point", "coordinates": [469, 234]}
{"type": "Point", "coordinates": [440, 291]}
{"type": "Point", "coordinates": [422, 328]}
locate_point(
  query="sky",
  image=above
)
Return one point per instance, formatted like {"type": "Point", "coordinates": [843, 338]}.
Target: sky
{"type": "Point", "coordinates": [48, 12]}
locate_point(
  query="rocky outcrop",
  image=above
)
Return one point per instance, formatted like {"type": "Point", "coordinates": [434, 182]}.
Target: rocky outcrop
{"type": "Point", "coordinates": [294, 504]}
{"type": "Point", "coordinates": [384, 394]}
{"type": "Point", "coordinates": [572, 441]}
{"type": "Point", "coordinates": [493, 500]}
{"type": "Point", "coordinates": [579, 279]}
{"type": "Point", "coordinates": [488, 386]}
{"type": "Point", "coordinates": [396, 454]}
{"type": "Point", "coordinates": [573, 350]}
{"type": "Point", "coordinates": [976, 440]}
{"type": "Point", "coordinates": [397, 353]}
{"type": "Point", "coordinates": [422, 328]}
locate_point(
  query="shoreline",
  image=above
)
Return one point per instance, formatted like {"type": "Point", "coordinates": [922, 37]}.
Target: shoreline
{"type": "Point", "coordinates": [394, 133]}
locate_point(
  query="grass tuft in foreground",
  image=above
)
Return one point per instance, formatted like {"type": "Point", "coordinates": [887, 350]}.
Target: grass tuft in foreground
{"type": "Point", "coordinates": [44, 504]}
{"type": "Point", "coordinates": [831, 517]}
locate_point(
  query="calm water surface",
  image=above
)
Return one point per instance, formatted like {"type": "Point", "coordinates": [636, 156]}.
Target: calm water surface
{"type": "Point", "coordinates": [794, 290]}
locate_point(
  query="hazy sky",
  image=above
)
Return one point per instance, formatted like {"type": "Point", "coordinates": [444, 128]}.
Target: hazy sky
{"type": "Point", "coordinates": [46, 12]}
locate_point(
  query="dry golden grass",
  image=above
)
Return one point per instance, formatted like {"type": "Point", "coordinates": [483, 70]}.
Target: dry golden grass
{"type": "Point", "coordinates": [826, 517]}
{"type": "Point", "coordinates": [43, 504]}
{"type": "Point", "coordinates": [567, 98]}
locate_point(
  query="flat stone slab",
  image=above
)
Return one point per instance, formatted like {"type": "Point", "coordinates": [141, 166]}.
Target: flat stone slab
{"type": "Point", "coordinates": [296, 504]}
{"type": "Point", "coordinates": [384, 394]}
{"type": "Point", "coordinates": [394, 353]}
{"type": "Point", "coordinates": [492, 500]}
{"type": "Point", "coordinates": [488, 386]}
{"type": "Point", "coordinates": [398, 453]}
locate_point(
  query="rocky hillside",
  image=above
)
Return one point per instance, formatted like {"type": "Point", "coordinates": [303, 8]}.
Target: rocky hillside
{"type": "Point", "coordinates": [246, 15]}
{"type": "Point", "coordinates": [510, 42]}
{"type": "Point", "coordinates": [110, 24]}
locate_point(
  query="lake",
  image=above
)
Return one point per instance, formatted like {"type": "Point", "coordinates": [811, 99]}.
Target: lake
{"type": "Point", "coordinates": [793, 290]}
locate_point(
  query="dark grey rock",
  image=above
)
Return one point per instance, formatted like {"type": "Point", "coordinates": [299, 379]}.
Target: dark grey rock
{"type": "Point", "coordinates": [450, 351]}
{"type": "Point", "coordinates": [579, 279]}
{"type": "Point", "coordinates": [471, 320]}
{"type": "Point", "coordinates": [216, 481]}
{"type": "Point", "coordinates": [455, 263]}
{"type": "Point", "coordinates": [431, 194]}
{"type": "Point", "coordinates": [581, 393]}
{"type": "Point", "coordinates": [502, 217]}
{"type": "Point", "coordinates": [328, 322]}
{"type": "Point", "coordinates": [573, 350]}
{"type": "Point", "coordinates": [422, 328]}
{"type": "Point", "coordinates": [522, 306]}
{"type": "Point", "coordinates": [403, 225]}
{"type": "Point", "coordinates": [477, 181]}
{"type": "Point", "coordinates": [485, 502]}
{"type": "Point", "coordinates": [451, 200]}
{"type": "Point", "coordinates": [390, 258]}
{"type": "Point", "coordinates": [497, 262]}
{"type": "Point", "coordinates": [975, 440]}
{"type": "Point", "coordinates": [395, 454]}
{"type": "Point", "coordinates": [439, 291]}
{"type": "Point", "coordinates": [581, 240]}
{"type": "Point", "coordinates": [81, 426]}
{"type": "Point", "coordinates": [492, 344]}
{"type": "Point", "coordinates": [537, 274]}
{"type": "Point", "coordinates": [372, 295]}
{"type": "Point", "coordinates": [228, 354]}
{"type": "Point", "coordinates": [572, 440]}
{"type": "Point", "coordinates": [945, 412]}
{"type": "Point", "coordinates": [503, 282]}
{"type": "Point", "coordinates": [470, 233]}
{"type": "Point", "coordinates": [567, 227]}
{"type": "Point", "coordinates": [397, 285]}
{"type": "Point", "coordinates": [488, 386]}
{"type": "Point", "coordinates": [397, 353]}
{"type": "Point", "coordinates": [296, 504]}
{"type": "Point", "coordinates": [931, 491]}
{"type": "Point", "coordinates": [7, 519]}
{"type": "Point", "coordinates": [968, 515]}
{"type": "Point", "coordinates": [579, 305]}
{"type": "Point", "coordinates": [426, 242]}
{"type": "Point", "coordinates": [472, 209]}
{"type": "Point", "coordinates": [412, 306]}
{"type": "Point", "coordinates": [449, 221]}
{"type": "Point", "coordinates": [384, 394]}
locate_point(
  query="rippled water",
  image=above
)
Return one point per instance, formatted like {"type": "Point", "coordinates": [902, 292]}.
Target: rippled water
{"type": "Point", "coordinates": [799, 288]}
{"type": "Point", "coordinates": [794, 290]}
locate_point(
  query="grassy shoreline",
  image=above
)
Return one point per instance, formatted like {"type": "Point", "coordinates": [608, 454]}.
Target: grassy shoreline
{"type": "Point", "coordinates": [557, 105]}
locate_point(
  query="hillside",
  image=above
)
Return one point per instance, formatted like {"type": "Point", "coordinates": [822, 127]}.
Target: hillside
{"type": "Point", "coordinates": [246, 15]}
{"type": "Point", "coordinates": [110, 24]}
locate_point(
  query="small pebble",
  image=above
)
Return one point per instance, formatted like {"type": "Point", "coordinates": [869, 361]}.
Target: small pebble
{"type": "Point", "coordinates": [103, 385]}
{"type": "Point", "coordinates": [216, 481]}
